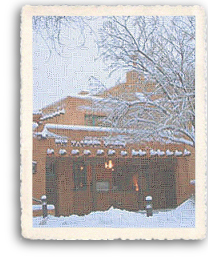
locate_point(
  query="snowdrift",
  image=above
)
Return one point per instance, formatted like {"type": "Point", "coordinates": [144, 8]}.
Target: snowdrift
{"type": "Point", "coordinates": [181, 217]}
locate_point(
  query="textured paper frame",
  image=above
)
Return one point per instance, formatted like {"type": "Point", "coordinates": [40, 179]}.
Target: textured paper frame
{"type": "Point", "coordinates": [26, 127]}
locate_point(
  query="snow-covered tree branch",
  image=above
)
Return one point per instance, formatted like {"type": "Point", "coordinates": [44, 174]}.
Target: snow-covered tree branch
{"type": "Point", "coordinates": [163, 49]}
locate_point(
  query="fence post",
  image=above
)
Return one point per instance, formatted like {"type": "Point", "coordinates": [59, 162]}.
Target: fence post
{"type": "Point", "coordinates": [44, 206]}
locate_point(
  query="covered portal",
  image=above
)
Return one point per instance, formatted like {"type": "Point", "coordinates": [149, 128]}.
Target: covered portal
{"type": "Point", "coordinates": [79, 185]}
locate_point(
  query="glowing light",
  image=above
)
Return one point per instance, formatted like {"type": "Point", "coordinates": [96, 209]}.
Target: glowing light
{"type": "Point", "coordinates": [109, 165]}
{"type": "Point", "coordinates": [135, 183]}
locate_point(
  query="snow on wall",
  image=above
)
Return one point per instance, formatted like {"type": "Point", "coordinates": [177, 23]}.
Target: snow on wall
{"type": "Point", "coordinates": [34, 125]}
{"type": "Point", "coordinates": [87, 152]}
{"type": "Point", "coordinates": [61, 141]}
{"type": "Point", "coordinates": [178, 153]}
{"type": "Point", "coordinates": [115, 143]}
{"type": "Point", "coordinates": [62, 151]}
{"type": "Point", "coordinates": [169, 153]}
{"type": "Point", "coordinates": [100, 152]}
{"type": "Point", "coordinates": [153, 153]}
{"type": "Point", "coordinates": [123, 153]}
{"type": "Point", "coordinates": [186, 152]}
{"type": "Point", "coordinates": [75, 152]}
{"type": "Point", "coordinates": [111, 152]}
{"type": "Point", "coordinates": [138, 153]}
{"type": "Point", "coordinates": [50, 151]}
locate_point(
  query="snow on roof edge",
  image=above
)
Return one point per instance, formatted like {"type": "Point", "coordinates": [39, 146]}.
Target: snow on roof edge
{"type": "Point", "coordinates": [82, 128]}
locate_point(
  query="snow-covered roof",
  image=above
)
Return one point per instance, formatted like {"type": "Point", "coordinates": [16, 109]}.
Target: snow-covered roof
{"type": "Point", "coordinates": [53, 114]}
{"type": "Point", "coordinates": [81, 128]}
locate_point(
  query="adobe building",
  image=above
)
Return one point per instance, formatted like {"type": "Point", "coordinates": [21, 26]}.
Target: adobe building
{"type": "Point", "coordinates": [82, 166]}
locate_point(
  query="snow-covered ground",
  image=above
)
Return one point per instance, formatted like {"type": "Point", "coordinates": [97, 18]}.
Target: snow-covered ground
{"type": "Point", "coordinates": [181, 217]}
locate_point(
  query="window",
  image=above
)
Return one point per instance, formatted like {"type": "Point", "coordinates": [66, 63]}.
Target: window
{"type": "Point", "coordinates": [34, 167]}
{"type": "Point", "coordinates": [80, 176]}
{"type": "Point", "coordinates": [93, 120]}
{"type": "Point", "coordinates": [50, 168]}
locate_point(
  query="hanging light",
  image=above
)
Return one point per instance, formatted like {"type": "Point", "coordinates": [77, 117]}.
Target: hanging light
{"type": "Point", "coordinates": [109, 164]}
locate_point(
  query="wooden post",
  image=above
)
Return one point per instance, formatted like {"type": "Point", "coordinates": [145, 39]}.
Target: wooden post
{"type": "Point", "coordinates": [44, 206]}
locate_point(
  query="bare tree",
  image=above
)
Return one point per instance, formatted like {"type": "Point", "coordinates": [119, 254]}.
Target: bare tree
{"type": "Point", "coordinates": [57, 32]}
{"type": "Point", "coordinates": [163, 49]}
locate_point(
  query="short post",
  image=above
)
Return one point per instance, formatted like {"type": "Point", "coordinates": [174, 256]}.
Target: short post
{"type": "Point", "coordinates": [44, 206]}
{"type": "Point", "coordinates": [148, 205]}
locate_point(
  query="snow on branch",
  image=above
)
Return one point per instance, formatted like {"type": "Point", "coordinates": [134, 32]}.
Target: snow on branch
{"type": "Point", "coordinates": [163, 49]}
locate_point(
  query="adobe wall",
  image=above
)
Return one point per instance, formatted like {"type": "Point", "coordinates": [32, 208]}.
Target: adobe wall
{"type": "Point", "coordinates": [74, 111]}
{"type": "Point", "coordinates": [185, 169]}
{"type": "Point", "coordinates": [185, 172]}
{"type": "Point", "coordinates": [39, 156]}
